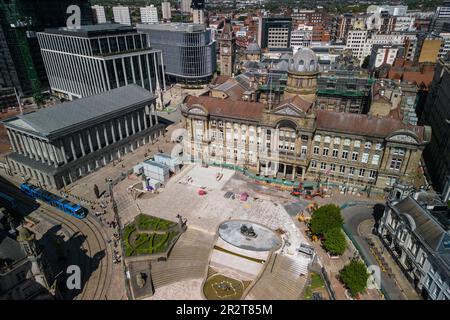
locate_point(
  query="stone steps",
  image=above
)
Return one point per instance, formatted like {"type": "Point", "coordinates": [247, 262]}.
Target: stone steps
{"type": "Point", "coordinates": [281, 282]}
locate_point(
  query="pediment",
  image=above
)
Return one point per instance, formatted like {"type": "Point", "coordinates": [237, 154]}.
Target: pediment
{"type": "Point", "coordinates": [288, 110]}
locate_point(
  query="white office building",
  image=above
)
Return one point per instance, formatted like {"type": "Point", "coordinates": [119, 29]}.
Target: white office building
{"type": "Point", "coordinates": [302, 36]}
{"type": "Point", "coordinates": [186, 6]}
{"type": "Point", "coordinates": [99, 13]}
{"type": "Point", "coordinates": [166, 10]}
{"type": "Point", "coordinates": [356, 40]}
{"type": "Point", "coordinates": [122, 15]}
{"type": "Point", "coordinates": [149, 14]}
{"type": "Point", "coordinates": [97, 58]}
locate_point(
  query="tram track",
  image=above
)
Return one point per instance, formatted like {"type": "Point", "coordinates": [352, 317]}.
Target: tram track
{"type": "Point", "coordinates": [97, 285]}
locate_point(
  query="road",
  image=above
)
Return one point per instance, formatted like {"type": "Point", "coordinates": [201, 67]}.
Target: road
{"type": "Point", "coordinates": [69, 241]}
{"type": "Point", "coordinates": [353, 217]}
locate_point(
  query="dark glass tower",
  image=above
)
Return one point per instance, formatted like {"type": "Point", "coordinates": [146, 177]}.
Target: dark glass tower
{"type": "Point", "coordinates": [21, 62]}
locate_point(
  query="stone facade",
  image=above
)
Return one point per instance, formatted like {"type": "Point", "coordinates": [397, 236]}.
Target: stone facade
{"type": "Point", "coordinates": [295, 142]}
{"type": "Point", "coordinates": [58, 157]}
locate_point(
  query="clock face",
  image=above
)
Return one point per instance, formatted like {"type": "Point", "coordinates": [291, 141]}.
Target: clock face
{"type": "Point", "coordinates": [225, 50]}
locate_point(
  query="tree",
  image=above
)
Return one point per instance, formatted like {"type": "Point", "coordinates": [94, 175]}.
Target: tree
{"type": "Point", "coordinates": [334, 241]}
{"type": "Point", "coordinates": [326, 218]}
{"type": "Point", "coordinates": [354, 276]}
{"type": "Point", "coordinates": [365, 63]}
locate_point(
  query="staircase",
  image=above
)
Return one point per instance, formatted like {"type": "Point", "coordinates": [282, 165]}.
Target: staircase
{"type": "Point", "coordinates": [187, 260]}
{"type": "Point", "coordinates": [283, 278]}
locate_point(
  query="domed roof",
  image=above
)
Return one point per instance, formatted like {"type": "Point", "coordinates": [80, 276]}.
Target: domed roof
{"type": "Point", "coordinates": [253, 48]}
{"type": "Point", "coordinates": [305, 60]}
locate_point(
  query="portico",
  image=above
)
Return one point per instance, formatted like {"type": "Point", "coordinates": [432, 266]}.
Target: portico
{"type": "Point", "coordinates": [58, 145]}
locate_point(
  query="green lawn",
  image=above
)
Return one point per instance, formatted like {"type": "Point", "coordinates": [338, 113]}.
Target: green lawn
{"type": "Point", "coordinates": [140, 243]}
{"type": "Point", "coordinates": [316, 283]}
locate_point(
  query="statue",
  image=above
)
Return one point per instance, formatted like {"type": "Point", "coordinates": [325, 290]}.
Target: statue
{"type": "Point", "coordinates": [248, 232]}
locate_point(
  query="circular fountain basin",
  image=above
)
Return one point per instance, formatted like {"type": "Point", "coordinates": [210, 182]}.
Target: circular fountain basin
{"type": "Point", "coordinates": [265, 240]}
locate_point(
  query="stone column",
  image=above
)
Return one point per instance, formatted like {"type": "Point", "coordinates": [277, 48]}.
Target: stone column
{"type": "Point", "coordinates": [145, 119]}
{"type": "Point", "coordinates": [294, 168]}
{"type": "Point", "coordinates": [72, 146]}
{"type": "Point", "coordinates": [139, 120]}
{"type": "Point", "coordinates": [28, 145]}
{"type": "Point", "coordinates": [133, 127]}
{"type": "Point", "coordinates": [105, 134]}
{"type": "Point", "coordinates": [156, 114]}
{"type": "Point", "coordinates": [90, 141]}
{"type": "Point", "coordinates": [20, 148]}
{"type": "Point", "coordinates": [11, 140]}
{"type": "Point", "coordinates": [34, 146]}
{"type": "Point", "coordinates": [41, 149]}
{"type": "Point", "coordinates": [81, 144]}
{"type": "Point", "coordinates": [45, 147]}
{"type": "Point", "coordinates": [113, 132]}
{"type": "Point", "coordinates": [98, 138]}
{"type": "Point", "coordinates": [55, 154]}
{"type": "Point", "coordinates": [120, 129]}
{"type": "Point", "coordinates": [63, 151]}
{"type": "Point", "coordinates": [127, 131]}
{"type": "Point", "coordinates": [303, 173]}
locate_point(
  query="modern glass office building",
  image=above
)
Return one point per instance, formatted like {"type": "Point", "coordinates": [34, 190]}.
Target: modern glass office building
{"type": "Point", "coordinates": [96, 58]}
{"type": "Point", "coordinates": [21, 64]}
{"type": "Point", "coordinates": [188, 50]}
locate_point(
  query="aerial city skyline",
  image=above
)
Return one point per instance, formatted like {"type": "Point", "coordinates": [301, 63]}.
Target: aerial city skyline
{"type": "Point", "coordinates": [224, 150]}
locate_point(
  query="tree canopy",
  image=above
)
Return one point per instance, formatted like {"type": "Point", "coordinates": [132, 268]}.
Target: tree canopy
{"type": "Point", "coordinates": [354, 276]}
{"type": "Point", "coordinates": [326, 218]}
{"type": "Point", "coordinates": [334, 241]}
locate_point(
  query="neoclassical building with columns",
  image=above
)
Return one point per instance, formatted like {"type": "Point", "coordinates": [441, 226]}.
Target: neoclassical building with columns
{"type": "Point", "coordinates": [58, 145]}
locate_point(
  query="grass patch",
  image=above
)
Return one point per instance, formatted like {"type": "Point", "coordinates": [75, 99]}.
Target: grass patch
{"type": "Point", "coordinates": [148, 242]}
{"type": "Point", "coordinates": [316, 283]}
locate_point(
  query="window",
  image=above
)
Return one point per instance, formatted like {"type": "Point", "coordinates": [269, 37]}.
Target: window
{"type": "Point", "coordinates": [335, 153]}
{"type": "Point", "coordinates": [357, 144]}
{"type": "Point", "coordinates": [333, 167]}
{"type": "Point", "coordinates": [378, 146]}
{"type": "Point", "coordinates": [365, 158]}
{"type": "Point", "coordinates": [399, 151]}
{"type": "Point", "coordinates": [327, 139]}
{"type": "Point", "coordinates": [317, 138]}
{"type": "Point", "coordinates": [372, 174]}
{"type": "Point", "coordinates": [323, 165]}
{"type": "Point", "coordinates": [362, 172]}
{"type": "Point", "coordinates": [355, 156]}
{"type": "Point", "coordinates": [325, 152]}
{"type": "Point", "coordinates": [347, 142]}
{"type": "Point", "coordinates": [351, 171]}
{"type": "Point", "coordinates": [337, 140]}
{"type": "Point", "coordinates": [345, 154]}
{"type": "Point", "coordinates": [375, 159]}
{"type": "Point", "coordinates": [313, 164]}
{"type": "Point", "coordinates": [396, 163]}
{"type": "Point", "coordinates": [220, 124]}
{"type": "Point", "coordinates": [342, 169]}
{"type": "Point", "coordinates": [368, 145]}
{"type": "Point", "coordinates": [316, 150]}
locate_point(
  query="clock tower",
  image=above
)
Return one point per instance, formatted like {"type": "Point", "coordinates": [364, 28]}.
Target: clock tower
{"type": "Point", "coordinates": [227, 49]}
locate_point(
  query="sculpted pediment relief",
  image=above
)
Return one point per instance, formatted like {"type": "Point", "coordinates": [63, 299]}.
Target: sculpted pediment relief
{"type": "Point", "coordinates": [288, 110]}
